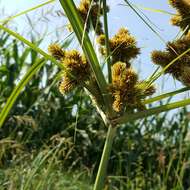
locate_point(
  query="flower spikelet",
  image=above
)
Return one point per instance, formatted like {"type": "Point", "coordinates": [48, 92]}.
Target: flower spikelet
{"type": "Point", "coordinates": [56, 51]}
{"type": "Point", "coordinates": [77, 71]}
{"type": "Point", "coordinates": [123, 83]}
{"type": "Point", "coordinates": [123, 46]}
{"type": "Point", "coordinates": [91, 11]}
{"type": "Point", "coordinates": [66, 84]}
{"type": "Point", "coordinates": [182, 18]}
{"type": "Point", "coordinates": [173, 50]}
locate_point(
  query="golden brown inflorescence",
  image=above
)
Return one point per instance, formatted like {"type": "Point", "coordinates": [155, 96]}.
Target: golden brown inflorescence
{"type": "Point", "coordinates": [182, 18]}
{"type": "Point", "coordinates": [56, 51]}
{"type": "Point", "coordinates": [77, 69]}
{"type": "Point", "coordinates": [91, 11]}
{"type": "Point", "coordinates": [123, 46]}
{"type": "Point", "coordinates": [127, 90]}
{"type": "Point", "coordinates": [180, 69]}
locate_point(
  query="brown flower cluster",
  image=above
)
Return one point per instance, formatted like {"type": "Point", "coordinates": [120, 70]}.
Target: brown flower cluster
{"type": "Point", "coordinates": [127, 90]}
{"type": "Point", "coordinates": [179, 69]}
{"type": "Point", "coordinates": [77, 67]}
{"type": "Point", "coordinates": [123, 46]}
{"type": "Point", "coordinates": [91, 12]}
{"type": "Point", "coordinates": [182, 18]}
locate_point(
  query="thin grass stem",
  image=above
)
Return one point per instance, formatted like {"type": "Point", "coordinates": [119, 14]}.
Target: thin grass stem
{"type": "Point", "coordinates": [100, 178]}
{"type": "Point", "coordinates": [108, 57]}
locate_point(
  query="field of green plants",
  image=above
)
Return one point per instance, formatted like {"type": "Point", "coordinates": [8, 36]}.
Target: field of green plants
{"type": "Point", "coordinates": [82, 118]}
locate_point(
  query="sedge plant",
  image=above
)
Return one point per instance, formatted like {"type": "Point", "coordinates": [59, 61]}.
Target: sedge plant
{"type": "Point", "coordinates": [120, 96]}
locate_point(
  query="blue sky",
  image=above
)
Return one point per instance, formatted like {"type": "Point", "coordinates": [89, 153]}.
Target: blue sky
{"type": "Point", "coordinates": [119, 15]}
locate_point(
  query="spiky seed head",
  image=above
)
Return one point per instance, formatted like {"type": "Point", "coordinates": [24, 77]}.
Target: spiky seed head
{"type": "Point", "coordinates": [118, 70]}
{"type": "Point", "coordinates": [185, 76]}
{"type": "Point", "coordinates": [122, 77]}
{"type": "Point", "coordinates": [176, 20]}
{"type": "Point", "coordinates": [160, 58]}
{"type": "Point", "coordinates": [143, 89]}
{"type": "Point", "coordinates": [73, 60]}
{"type": "Point", "coordinates": [76, 64]}
{"type": "Point", "coordinates": [66, 85]}
{"type": "Point", "coordinates": [182, 6]}
{"type": "Point", "coordinates": [84, 7]}
{"type": "Point", "coordinates": [131, 77]}
{"type": "Point", "coordinates": [118, 102]}
{"type": "Point", "coordinates": [123, 46]}
{"type": "Point", "coordinates": [56, 51]}
{"type": "Point", "coordinates": [150, 90]}
{"type": "Point", "coordinates": [92, 11]}
{"type": "Point", "coordinates": [181, 19]}
{"type": "Point", "coordinates": [70, 28]}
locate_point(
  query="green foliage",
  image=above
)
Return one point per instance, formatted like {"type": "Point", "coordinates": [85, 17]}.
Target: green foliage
{"type": "Point", "coordinates": [40, 174]}
{"type": "Point", "coordinates": [46, 131]}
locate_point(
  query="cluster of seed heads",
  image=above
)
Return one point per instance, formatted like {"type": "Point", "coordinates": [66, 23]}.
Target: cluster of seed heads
{"type": "Point", "coordinates": [91, 11]}
{"type": "Point", "coordinates": [77, 69]}
{"type": "Point", "coordinates": [180, 69]}
{"type": "Point", "coordinates": [182, 18]}
{"type": "Point", "coordinates": [126, 89]}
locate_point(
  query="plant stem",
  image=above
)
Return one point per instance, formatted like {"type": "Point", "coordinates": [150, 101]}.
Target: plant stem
{"type": "Point", "coordinates": [84, 40]}
{"type": "Point", "coordinates": [100, 178]}
{"type": "Point", "coordinates": [156, 110]}
{"type": "Point", "coordinates": [162, 96]}
{"type": "Point", "coordinates": [108, 59]}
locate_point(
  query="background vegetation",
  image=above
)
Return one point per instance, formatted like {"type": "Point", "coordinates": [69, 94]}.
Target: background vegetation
{"type": "Point", "coordinates": [50, 141]}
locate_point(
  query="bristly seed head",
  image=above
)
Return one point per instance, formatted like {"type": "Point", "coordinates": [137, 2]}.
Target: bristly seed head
{"type": "Point", "coordinates": [182, 18]}
{"type": "Point", "coordinates": [56, 51]}
{"type": "Point", "coordinates": [173, 50]}
{"type": "Point", "coordinates": [90, 12]}
{"type": "Point", "coordinates": [125, 88]}
{"type": "Point", "coordinates": [77, 71]}
{"type": "Point", "coordinates": [122, 46]}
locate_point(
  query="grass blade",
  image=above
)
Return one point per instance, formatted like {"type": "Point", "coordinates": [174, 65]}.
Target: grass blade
{"type": "Point", "coordinates": [26, 11]}
{"type": "Point", "coordinates": [32, 46]}
{"type": "Point", "coordinates": [151, 28]}
{"type": "Point", "coordinates": [166, 95]}
{"type": "Point", "coordinates": [108, 59]}
{"type": "Point", "coordinates": [84, 40]}
{"type": "Point", "coordinates": [152, 9]}
{"type": "Point", "coordinates": [11, 100]}
{"type": "Point", "coordinates": [143, 114]}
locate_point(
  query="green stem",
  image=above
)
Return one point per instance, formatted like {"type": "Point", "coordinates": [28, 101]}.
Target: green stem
{"type": "Point", "coordinates": [108, 59]}
{"type": "Point", "coordinates": [142, 114]}
{"type": "Point", "coordinates": [169, 94]}
{"type": "Point", "coordinates": [100, 178]}
{"type": "Point", "coordinates": [84, 40]}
